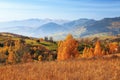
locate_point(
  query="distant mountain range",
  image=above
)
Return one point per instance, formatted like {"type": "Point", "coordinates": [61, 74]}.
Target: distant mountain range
{"type": "Point", "coordinates": [58, 29]}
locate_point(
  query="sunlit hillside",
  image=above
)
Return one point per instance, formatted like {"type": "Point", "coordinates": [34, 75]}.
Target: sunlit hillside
{"type": "Point", "coordinates": [104, 68]}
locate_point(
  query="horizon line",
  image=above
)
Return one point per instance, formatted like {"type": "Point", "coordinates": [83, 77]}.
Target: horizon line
{"type": "Point", "coordinates": [35, 18]}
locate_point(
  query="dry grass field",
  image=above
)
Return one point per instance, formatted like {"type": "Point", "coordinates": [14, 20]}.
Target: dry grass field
{"type": "Point", "coordinates": [104, 68]}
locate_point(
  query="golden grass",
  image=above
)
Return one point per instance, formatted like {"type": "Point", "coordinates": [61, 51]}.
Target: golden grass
{"type": "Point", "coordinates": [82, 69]}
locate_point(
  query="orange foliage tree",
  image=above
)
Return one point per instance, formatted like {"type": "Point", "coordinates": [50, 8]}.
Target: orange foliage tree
{"type": "Point", "coordinates": [113, 47]}
{"type": "Point", "coordinates": [97, 50]}
{"type": "Point", "coordinates": [11, 57]}
{"type": "Point", "coordinates": [68, 48]}
{"type": "Point", "coordinates": [41, 39]}
{"type": "Point", "coordinates": [88, 52]}
{"type": "Point", "coordinates": [91, 52]}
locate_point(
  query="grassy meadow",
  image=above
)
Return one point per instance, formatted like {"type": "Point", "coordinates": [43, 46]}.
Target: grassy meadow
{"type": "Point", "coordinates": [24, 58]}
{"type": "Point", "coordinates": [105, 68]}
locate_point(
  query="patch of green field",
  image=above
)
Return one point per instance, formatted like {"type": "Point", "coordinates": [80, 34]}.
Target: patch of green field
{"type": "Point", "coordinates": [31, 42]}
{"type": "Point", "coordinates": [15, 38]}
{"type": "Point", "coordinates": [49, 45]}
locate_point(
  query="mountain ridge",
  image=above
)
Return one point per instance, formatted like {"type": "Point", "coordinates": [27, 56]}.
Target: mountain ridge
{"type": "Point", "coordinates": [48, 27]}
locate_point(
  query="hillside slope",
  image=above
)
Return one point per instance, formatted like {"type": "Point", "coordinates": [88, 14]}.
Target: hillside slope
{"type": "Point", "coordinates": [83, 69]}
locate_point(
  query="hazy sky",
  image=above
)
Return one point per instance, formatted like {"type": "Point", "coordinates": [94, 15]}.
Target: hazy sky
{"type": "Point", "coordinates": [58, 9]}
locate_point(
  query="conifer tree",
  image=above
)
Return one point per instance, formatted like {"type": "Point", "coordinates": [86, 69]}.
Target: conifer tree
{"type": "Point", "coordinates": [68, 48]}
{"type": "Point", "coordinates": [97, 51]}
{"type": "Point", "coordinates": [91, 52]}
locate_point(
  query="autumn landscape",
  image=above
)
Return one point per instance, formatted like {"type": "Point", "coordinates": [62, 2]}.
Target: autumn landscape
{"type": "Point", "coordinates": [59, 40]}
{"type": "Point", "coordinates": [25, 58]}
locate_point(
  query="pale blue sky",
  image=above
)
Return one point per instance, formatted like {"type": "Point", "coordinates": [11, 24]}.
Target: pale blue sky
{"type": "Point", "coordinates": [58, 9]}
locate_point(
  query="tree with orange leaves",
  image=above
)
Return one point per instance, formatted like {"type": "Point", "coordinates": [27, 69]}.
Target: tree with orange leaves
{"type": "Point", "coordinates": [68, 48]}
{"type": "Point", "coordinates": [91, 52]}
{"type": "Point", "coordinates": [113, 47]}
{"type": "Point", "coordinates": [88, 52]}
{"type": "Point", "coordinates": [98, 50]}
{"type": "Point", "coordinates": [84, 52]}
{"type": "Point", "coordinates": [11, 56]}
